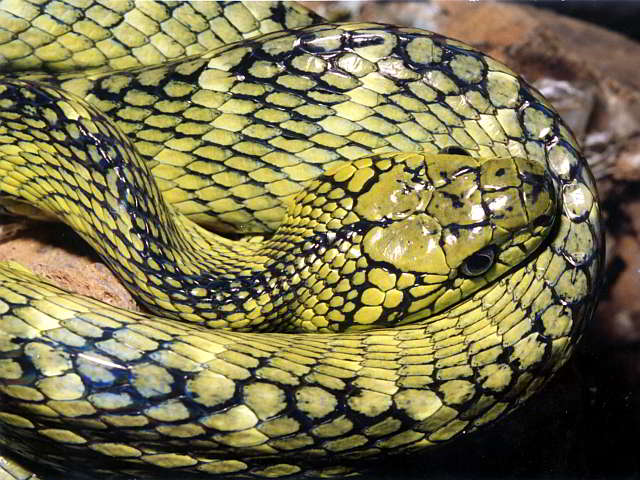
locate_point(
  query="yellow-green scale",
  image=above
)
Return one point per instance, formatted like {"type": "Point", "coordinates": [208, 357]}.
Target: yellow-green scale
{"type": "Point", "coordinates": [480, 266]}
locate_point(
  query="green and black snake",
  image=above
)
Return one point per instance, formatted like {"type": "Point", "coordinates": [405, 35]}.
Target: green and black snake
{"type": "Point", "coordinates": [412, 240]}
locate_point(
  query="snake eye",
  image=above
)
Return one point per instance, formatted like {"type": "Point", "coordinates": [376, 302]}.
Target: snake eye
{"type": "Point", "coordinates": [480, 262]}
{"type": "Point", "coordinates": [453, 150]}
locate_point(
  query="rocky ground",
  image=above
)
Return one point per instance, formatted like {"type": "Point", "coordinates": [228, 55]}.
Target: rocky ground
{"type": "Point", "coordinates": [584, 424]}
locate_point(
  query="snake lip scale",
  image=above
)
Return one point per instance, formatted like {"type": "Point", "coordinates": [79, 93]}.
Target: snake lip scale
{"type": "Point", "coordinates": [355, 240]}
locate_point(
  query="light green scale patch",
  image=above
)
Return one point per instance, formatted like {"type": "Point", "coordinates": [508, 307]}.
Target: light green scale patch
{"type": "Point", "coordinates": [210, 388]}
{"type": "Point", "coordinates": [423, 50]}
{"type": "Point", "coordinates": [315, 402]}
{"type": "Point", "coordinates": [537, 124]}
{"type": "Point", "coordinates": [62, 436]}
{"type": "Point", "coordinates": [48, 361]}
{"type": "Point", "coordinates": [170, 411]}
{"type": "Point", "coordinates": [237, 418]}
{"type": "Point", "coordinates": [70, 408]}
{"type": "Point", "coordinates": [281, 469]}
{"type": "Point", "coordinates": [10, 370]}
{"type": "Point", "coordinates": [467, 68]}
{"type": "Point", "coordinates": [266, 401]}
{"type": "Point", "coordinates": [222, 466]}
{"type": "Point", "coordinates": [15, 420]}
{"type": "Point", "coordinates": [65, 387]}
{"type": "Point", "coordinates": [369, 403]}
{"type": "Point", "coordinates": [242, 439]}
{"type": "Point", "coordinates": [151, 380]}
{"type": "Point", "coordinates": [169, 460]}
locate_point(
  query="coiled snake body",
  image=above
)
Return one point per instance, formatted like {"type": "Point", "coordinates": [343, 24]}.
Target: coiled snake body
{"type": "Point", "coordinates": [402, 299]}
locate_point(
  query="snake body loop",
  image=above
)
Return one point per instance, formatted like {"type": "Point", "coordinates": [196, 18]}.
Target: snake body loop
{"type": "Point", "coordinates": [429, 249]}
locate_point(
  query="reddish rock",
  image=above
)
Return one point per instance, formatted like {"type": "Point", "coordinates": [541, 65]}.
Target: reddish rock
{"type": "Point", "coordinates": [57, 254]}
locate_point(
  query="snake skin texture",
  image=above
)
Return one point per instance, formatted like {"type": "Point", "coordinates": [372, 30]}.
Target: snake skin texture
{"type": "Point", "coordinates": [412, 241]}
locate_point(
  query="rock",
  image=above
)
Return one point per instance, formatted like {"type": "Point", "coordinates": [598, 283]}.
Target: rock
{"type": "Point", "coordinates": [59, 255]}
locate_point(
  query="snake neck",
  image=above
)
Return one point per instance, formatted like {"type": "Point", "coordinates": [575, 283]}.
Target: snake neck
{"type": "Point", "coordinates": [89, 176]}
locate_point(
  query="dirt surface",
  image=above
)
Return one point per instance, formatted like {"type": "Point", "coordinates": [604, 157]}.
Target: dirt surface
{"type": "Point", "coordinates": [59, 255]}
{"type": "Point", "coordinates": [580, 426]}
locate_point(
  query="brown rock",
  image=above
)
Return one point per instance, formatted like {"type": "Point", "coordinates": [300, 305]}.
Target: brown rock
{"type": "Point", "coordinates": [57, 254]}
{"type": "Point", "coordinates": [619, 311]}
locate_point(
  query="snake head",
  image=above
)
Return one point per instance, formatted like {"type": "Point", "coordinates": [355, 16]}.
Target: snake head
{"type": "Point", "coordinates": [425, 230]}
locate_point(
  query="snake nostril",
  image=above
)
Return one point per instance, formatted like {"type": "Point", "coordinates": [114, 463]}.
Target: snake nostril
{"type": "Point", "coordinates": [455, 150]}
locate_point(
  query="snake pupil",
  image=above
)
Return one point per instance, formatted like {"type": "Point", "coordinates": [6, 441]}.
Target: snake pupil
{"type": "Point", "coordinates": [480, 262]}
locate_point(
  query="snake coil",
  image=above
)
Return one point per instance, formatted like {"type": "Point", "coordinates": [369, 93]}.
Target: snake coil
{"type": "Point", "coordinates": [421, 240]}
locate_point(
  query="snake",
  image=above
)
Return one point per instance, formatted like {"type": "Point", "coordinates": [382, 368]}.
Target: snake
{"type": "Point", "coordinates": [354, 240]}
